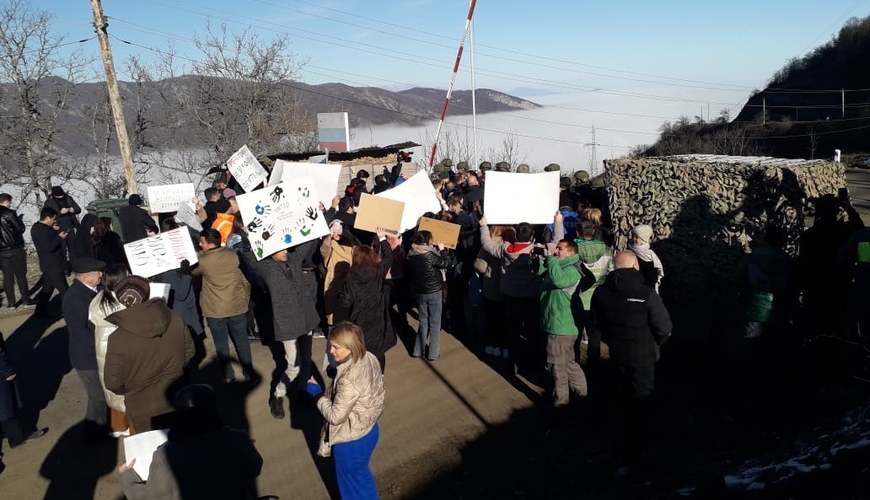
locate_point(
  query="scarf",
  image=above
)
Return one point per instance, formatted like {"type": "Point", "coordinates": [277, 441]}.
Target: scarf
{"type": "Point", "coordinates": [646, 254]}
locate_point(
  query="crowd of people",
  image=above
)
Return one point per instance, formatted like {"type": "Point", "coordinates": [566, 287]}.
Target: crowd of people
{"type": "Point", "coordinates": [541, 298]}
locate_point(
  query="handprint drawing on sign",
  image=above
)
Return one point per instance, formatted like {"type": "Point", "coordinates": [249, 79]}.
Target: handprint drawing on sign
{"type": "Point", "coordinates": [311, 213]}
{"type": "Point", "coordinates": [276, 194]}
{"type": "Point", "coordinates": [305, 192]}
{"type": "Point", "coordinates": [302, 227]}
{"type": "Point", "coordinates": [263, 209]}
{"type": "Point", "coordinates": [254, 224]}
{"type": "Point", "coordinates": [258, 247]}
{"type": "Point", "coordinates": [288, 238]}
{"type": "Point", "coordinates": [268, 232]}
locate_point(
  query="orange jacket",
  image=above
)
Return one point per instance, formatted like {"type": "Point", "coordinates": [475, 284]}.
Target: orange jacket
{"type": "Point", "coordinates": [224, 224]}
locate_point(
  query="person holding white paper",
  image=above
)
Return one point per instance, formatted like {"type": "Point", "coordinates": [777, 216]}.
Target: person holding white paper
{"type": "Point", "coordinates": [201, 459]}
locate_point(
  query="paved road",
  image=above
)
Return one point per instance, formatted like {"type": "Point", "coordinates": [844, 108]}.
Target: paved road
{"type": "Point", "coordinates": [434, 410]}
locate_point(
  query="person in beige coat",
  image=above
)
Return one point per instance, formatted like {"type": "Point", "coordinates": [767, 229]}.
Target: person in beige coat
{"type": "Point", "coordinates": [105, 304]}
{"type": "Point", "coordinates": [337, 253]}
{"type": "Point", "coordinates": [352, 411]}
{"type": "Point", "coordinates": [224, 301]}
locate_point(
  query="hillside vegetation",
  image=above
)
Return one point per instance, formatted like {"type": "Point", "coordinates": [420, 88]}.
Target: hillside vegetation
{"type": "Point", "coordinates": [811, 106]}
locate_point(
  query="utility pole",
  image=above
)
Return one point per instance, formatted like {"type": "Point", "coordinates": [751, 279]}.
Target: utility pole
{"type": "Point", "coordinates": [100, 26]}
{"type": "Point", "coordinates": [843, 101]}
{"type": "Point", "coordinates": [593, 157]}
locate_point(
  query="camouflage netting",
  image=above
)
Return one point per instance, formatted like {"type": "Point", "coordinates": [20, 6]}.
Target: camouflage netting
{"type": "Point", "coordinates": [705, 212]}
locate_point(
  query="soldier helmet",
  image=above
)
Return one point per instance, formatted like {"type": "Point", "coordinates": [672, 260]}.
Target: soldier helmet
{"type": "Point", "coordinates": [462, 166]}
{"type": "Point", "coordinates": [441, 168]}
{"type": "Point", "coordinates": [553, 167]}
{"type": "Point", "coordinates": [523, 169]}
{"type": "Point", "coordinates": [598, 182]}
{"type": "Point", "coordinates": [447, 162]}
{"type": "Point", "coordinates": [581, 175]}
{"type": "Point", "coordinates": [502, 166]}
{"type": "Point", "coordinates": [485, 166]}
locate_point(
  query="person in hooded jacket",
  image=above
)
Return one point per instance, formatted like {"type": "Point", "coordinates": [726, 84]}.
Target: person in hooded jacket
{"type": "Point", "coordinates": [426, 262]}
{"type": "Point", "coordinates": [650, 266]}
{"type": "Point", "coordinates": [104, 304]}
{"type": "Point", "coordinates": [135, 222]}
{"type": "Point", "coordinates": [146, 355]}
{"type": "Point", "coordinates": [82, 245]}
{"type": "Point", "coordinates": [367, 299]}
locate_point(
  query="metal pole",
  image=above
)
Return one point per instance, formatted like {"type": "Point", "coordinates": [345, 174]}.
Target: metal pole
{"type": "Point", "coordinates": [452, 81]}
{"type": "Point", "coordinates": [474, 160]}
{"type": "Point", "coordinates": [100, 26]}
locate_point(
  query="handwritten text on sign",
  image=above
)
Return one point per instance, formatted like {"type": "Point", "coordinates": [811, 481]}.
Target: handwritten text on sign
{"type": "Point", "coordinates": [160, 253]}
{"type": "Point", "coordinates": [162, 199]}
{"type": "Point", "coordinates": [247, 169]}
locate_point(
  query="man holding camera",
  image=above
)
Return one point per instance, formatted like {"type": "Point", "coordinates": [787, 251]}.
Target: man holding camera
{"type": "Point", "coordinates": [48, 240]}
{"type": "Point", "coordinates": [561, 272]}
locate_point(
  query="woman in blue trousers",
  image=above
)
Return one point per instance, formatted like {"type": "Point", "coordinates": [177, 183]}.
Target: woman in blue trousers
{"type": "Point", "coordinates": [352, 411]}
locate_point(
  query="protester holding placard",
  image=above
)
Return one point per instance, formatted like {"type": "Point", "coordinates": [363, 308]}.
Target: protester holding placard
{"type": "Point", "coordinates": [136, 223]}
{"type": "Point", "coordinates": [337, 254]}
{"type": "Point", "coordinates": [367, 299]}
{"type": "Point", "coordinates": [426, 264]}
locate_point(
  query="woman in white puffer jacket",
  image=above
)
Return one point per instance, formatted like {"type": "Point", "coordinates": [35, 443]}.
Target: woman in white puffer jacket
{"type": "Point", "coordinates": [103, 305]}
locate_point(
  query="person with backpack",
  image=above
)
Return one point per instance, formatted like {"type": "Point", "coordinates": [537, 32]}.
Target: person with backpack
{"type": "Point", "coordinates": [561, 274]}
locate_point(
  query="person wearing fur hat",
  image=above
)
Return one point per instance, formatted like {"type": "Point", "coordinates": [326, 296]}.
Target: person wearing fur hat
{"type": "Point", "coordinates": [136, 223]}
{"type": "Point", "coordinates": [146, 355]}
{"type": "Point", "coordinates": [67, 211]}
{"type": "Point", "coordinates": [650, 265]}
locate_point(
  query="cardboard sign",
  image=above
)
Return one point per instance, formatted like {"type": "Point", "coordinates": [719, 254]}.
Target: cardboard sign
{"type": "Point", "coordinates": [162, 199]}
{"type": "Point", "coordinates": [374, 212]}
{"type": "Point", "coordinates": [160, 253]}
{"type": "Point", "coordinates": [277, 174]}
{"type": "Point", "coordinates": [419, 197]}
{"type": "Point", "coordinates": [282, 216]}
{"type": "Point", "coordinates": [511, 198]}
{"type": "Point", "coordinates": [325, 177]}
{"type": "Point", "coordinates": [186, 214]}
{"type": "Point", "coordinates": [246, 169]}
{"type": "Point", "coordinates": [445, 232]}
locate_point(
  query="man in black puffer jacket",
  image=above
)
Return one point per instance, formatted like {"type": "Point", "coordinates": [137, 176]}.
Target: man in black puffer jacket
{"type": "Point", "coordinates": [13, 258]}
{"type": "Point", "coordinates": [632, 320]}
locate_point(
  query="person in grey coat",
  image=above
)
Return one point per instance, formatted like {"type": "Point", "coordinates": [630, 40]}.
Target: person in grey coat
{"type": "Point", "coordinates": [292, 286]}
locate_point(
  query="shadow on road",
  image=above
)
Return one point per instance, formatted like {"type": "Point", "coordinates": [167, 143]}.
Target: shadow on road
{"type": "Point", "coordinates": [74, 467]}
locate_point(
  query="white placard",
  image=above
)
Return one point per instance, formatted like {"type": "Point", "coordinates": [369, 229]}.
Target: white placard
{"type": "Point", "coordinates": [160, 253]}
{"type": "Point", "coordinates": [166, 198]}
{"type": "Point", "coordinates": [186, 214]}
{"type": "Point", "coordinates": [419, 197]}
{"type": "Point", "coordinates": [282, 216]}
{"type": "Point", "coordinates": [325, 177]}
{"type": "Point", "coordinates": [142, 446]}
{"type": "Point", "coordinates": [246, 168]}
{"type": "Point", "coordinates": [277, 174]}
{"type": "Point", "coordinates": [511, 198]}
{"type": "Point", "coordinates": [159, 291]}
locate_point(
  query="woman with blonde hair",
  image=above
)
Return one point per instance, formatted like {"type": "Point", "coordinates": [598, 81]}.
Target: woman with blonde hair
{"type": "Point", "coordinates": [351, 411]}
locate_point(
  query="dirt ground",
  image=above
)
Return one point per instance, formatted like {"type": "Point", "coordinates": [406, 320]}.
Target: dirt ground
{"type": "Point", "coordinates": [462, 427]}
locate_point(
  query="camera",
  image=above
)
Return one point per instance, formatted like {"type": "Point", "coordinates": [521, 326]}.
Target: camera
{"type": "Point", "coordinates": [539, 251]}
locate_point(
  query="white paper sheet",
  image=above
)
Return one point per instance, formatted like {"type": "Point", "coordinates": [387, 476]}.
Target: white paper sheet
{"type": "Point", "coordinates": [419, 197]}
{"type": "Point", "coordinates": [325, 177]}
{"type": "Point", "coordinates": [166, 198]}
{"type": "Point", "coordinates": [160, 253]}
{"type": "Point", "coordinates": [186, 214]}
{"type": "Point", "coordinates": [511, 198]}
{"type": "Point", "coordinates": [142, 447]}
{"type": "Point", "coordinates": [246, 168]}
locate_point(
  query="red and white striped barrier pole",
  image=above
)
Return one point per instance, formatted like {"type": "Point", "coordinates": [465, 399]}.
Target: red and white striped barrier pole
{"type": "Point", "coordinates": [452, 80]}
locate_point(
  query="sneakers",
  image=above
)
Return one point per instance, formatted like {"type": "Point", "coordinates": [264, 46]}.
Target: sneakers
{"type": "Point", "coordinates": [276, 407]}
{"type": "Point", "coordinates": [120, 434]}
{"type": "Point", "coordinates": [318, 334]}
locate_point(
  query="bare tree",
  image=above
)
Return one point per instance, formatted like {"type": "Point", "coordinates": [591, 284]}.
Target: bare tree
{"type": "Point", "coordinates": [238, 91]}
{"type": "Point", "coordinates": [38, 84]}
{"type": "Point", "coordinates": [814, 142]}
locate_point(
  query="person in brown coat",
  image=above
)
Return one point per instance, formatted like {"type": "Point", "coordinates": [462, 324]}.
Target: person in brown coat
{"type": "Point", "coordinates": [146, 355]}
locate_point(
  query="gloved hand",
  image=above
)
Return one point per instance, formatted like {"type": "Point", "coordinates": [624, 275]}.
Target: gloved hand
{"type": "Point", "coordinates": [313, 388]}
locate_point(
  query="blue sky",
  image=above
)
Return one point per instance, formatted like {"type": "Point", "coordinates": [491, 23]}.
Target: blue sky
{"type": "Point", "coordinates": [663, 58]}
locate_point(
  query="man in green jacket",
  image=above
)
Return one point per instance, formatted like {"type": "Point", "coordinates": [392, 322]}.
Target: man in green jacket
{"type": "Point", "coordinates": [561, 279]}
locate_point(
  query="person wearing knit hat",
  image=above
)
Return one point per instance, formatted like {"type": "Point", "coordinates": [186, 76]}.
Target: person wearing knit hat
{"type": "Point", "coordinates": [136, 223]}
{"type": "Point", "coordinates": [650, 265]}
{"type": "Point", "coordinates": [146, 355]}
